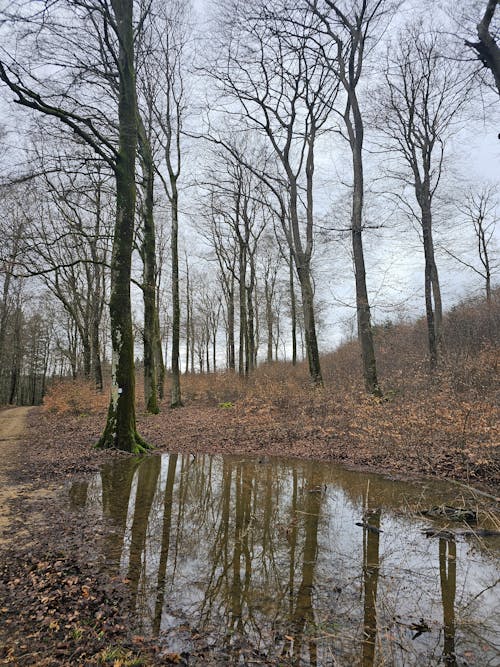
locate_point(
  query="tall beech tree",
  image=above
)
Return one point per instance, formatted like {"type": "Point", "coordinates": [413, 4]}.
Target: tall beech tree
{"type": "Point", "coordinates": [350, 25]}
{"type": "Point", "coordinates": [425, 94]}
{"type": "Point", "coordinates": [120, 430]}
{"type": "Point", "coordinates": [154, 367]}
{"type": "Point", "coordinates": [109, 26]}
{"type": "Point", "coordinates": [169, 23]}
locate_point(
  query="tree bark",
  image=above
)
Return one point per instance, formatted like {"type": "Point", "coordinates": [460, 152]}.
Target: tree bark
{"type": "Point", "coordinates": [486, 48]}
{"type": "Point", "coordinates": [176, 400]}
{"type": "Point", "coordinates": [433, 306]}
{"type": "Point", "coordinates": [120, 430]}
{"type": "Point", "coordinates": [365, 335]}
{"type": "Point", "coordinates": [251, 346]}
{"type": "Point", "coordinates": [309, 324]}
{"type": "Point", "coordinates": [293, 312]}
{"type": "Point", "coordinates": [269, 321]}
{"type": "Point", "coordinates": [243, 346]}
{"type": "Point", "coordinates": [303, 265]}
{"type": "Point", "coordinates": [148, 252]}
{"type": "Point", "coordinates": [230, 326]}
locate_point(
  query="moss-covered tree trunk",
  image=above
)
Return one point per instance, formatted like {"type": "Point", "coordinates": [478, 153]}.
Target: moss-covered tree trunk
{"type": "Point", "coordinates": [120, 430]}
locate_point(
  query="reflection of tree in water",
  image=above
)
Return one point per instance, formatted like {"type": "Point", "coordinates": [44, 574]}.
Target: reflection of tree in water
{"type": "Point", "coordinates": [448, 576]}
{"type": "Point", "coordinates": [371, 567]}
{"type": "Point", "coordinates": [78, 495]}
{"type": "Point", "coordinates": [165, 541]}
{"type": "Point", "coordinates": [246, 590]}
{"type": "Point", "coordinates": [116, 488]}
{"type": "Point", "coordinates": [227, 596]}
{"type": "Point", "coordinates": [147, 478]}
{"type": "Point", "coordinates": [302, 615]}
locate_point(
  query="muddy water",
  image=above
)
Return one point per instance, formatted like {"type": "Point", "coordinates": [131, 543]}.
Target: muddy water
{"type": "Point", "coordinates": [264, 563]}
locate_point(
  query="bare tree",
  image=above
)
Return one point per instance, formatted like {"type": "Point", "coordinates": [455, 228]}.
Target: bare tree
{"type": "Point", "coordinates": [425, 94]}
{"type": "Point", "coordinates": [480, 211]}
{"type": "Point", "coordinates": [236, 218]}
{"type": "Point", "coordinates": [285, 93]}
{"type": "Point", "coordinates": [170, 24]}
{"type": "Point", "coordinates": [351, 26]}
{"type": "Point", "coordinates": [154, 368]}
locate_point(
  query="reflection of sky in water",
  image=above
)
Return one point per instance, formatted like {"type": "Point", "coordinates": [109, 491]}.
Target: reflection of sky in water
{"type": "Point", "coordinates": [234, 547]}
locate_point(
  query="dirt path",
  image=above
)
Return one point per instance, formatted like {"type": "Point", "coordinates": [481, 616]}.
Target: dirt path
{"type": "Point", "coordinates": [12, 424]}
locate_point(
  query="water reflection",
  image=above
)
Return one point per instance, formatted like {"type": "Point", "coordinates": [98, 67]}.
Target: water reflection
{"type": "Point", "coordinates": [266, 560]}
{"type": "Point", "coordinates": [371, 565]}
{"type": "Point", "coordinates": [448, 577]}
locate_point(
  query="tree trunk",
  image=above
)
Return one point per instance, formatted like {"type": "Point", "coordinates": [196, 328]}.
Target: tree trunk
{"type": "Point", "coordinates": [158, 352]}
{"type": "Point", "coordinates": [120, 430]}
{"type": "Point", "coordinates": [15, 372]}
{"type": "Point", "coordinates": [364, 317]}
{"type": "Point", "coordinates": [356, 133]}
{"type": "Point", "coordinates": [176, 400]}
{"type": "Point", "coordinates": [293, 312]}
{"type": "Point", "coordinates": [230, 327]}
{"type": "Point", "coordinates": [303, 265]}
{"type": "Point", "coordinates": [269, 321]}
{"type": "Point", "coordinates": [96, 354]}
{"type": "Point", "coordinates": [243, 314]}
{"type": "Point", "coordinates": [432, 289]}
{"type": "Point", "coordinates": [309, 324]}
{"type": "Point", "coordinates": [148, 252]}
{"type": "Point", "coordinates": [188, 316]}
{"type": "Point", "coordinates": [251, 347]}
{"type": "Point", "coordinates": [87, 354]}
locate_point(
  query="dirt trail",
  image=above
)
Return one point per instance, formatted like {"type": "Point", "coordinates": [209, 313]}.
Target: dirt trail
{"type": "Point", "coordinates": [12, 424]}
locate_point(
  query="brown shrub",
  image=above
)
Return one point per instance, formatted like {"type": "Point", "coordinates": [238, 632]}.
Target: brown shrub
{"type": "Point", "coordinates": [76, 397]}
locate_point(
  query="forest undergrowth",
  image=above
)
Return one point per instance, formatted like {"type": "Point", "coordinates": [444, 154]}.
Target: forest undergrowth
{"type": "Point", "coordinates": [444, 423]}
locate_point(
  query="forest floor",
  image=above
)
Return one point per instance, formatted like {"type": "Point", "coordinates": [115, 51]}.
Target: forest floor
{"type": "Point", "coordinates": [60, 608]}
{"type": "Point", "coordinates": [12, 425]}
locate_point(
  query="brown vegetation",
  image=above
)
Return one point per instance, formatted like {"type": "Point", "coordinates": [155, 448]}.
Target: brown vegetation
{"type": "Point", "coordinates": [444, 423]}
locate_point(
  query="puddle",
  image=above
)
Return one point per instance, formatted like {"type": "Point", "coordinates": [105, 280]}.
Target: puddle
{"type": "Point", "coordinates": [264, 563]}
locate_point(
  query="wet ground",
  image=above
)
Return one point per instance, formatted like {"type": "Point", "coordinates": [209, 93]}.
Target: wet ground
{"type": "Point", "coordinates": [12, 424]}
